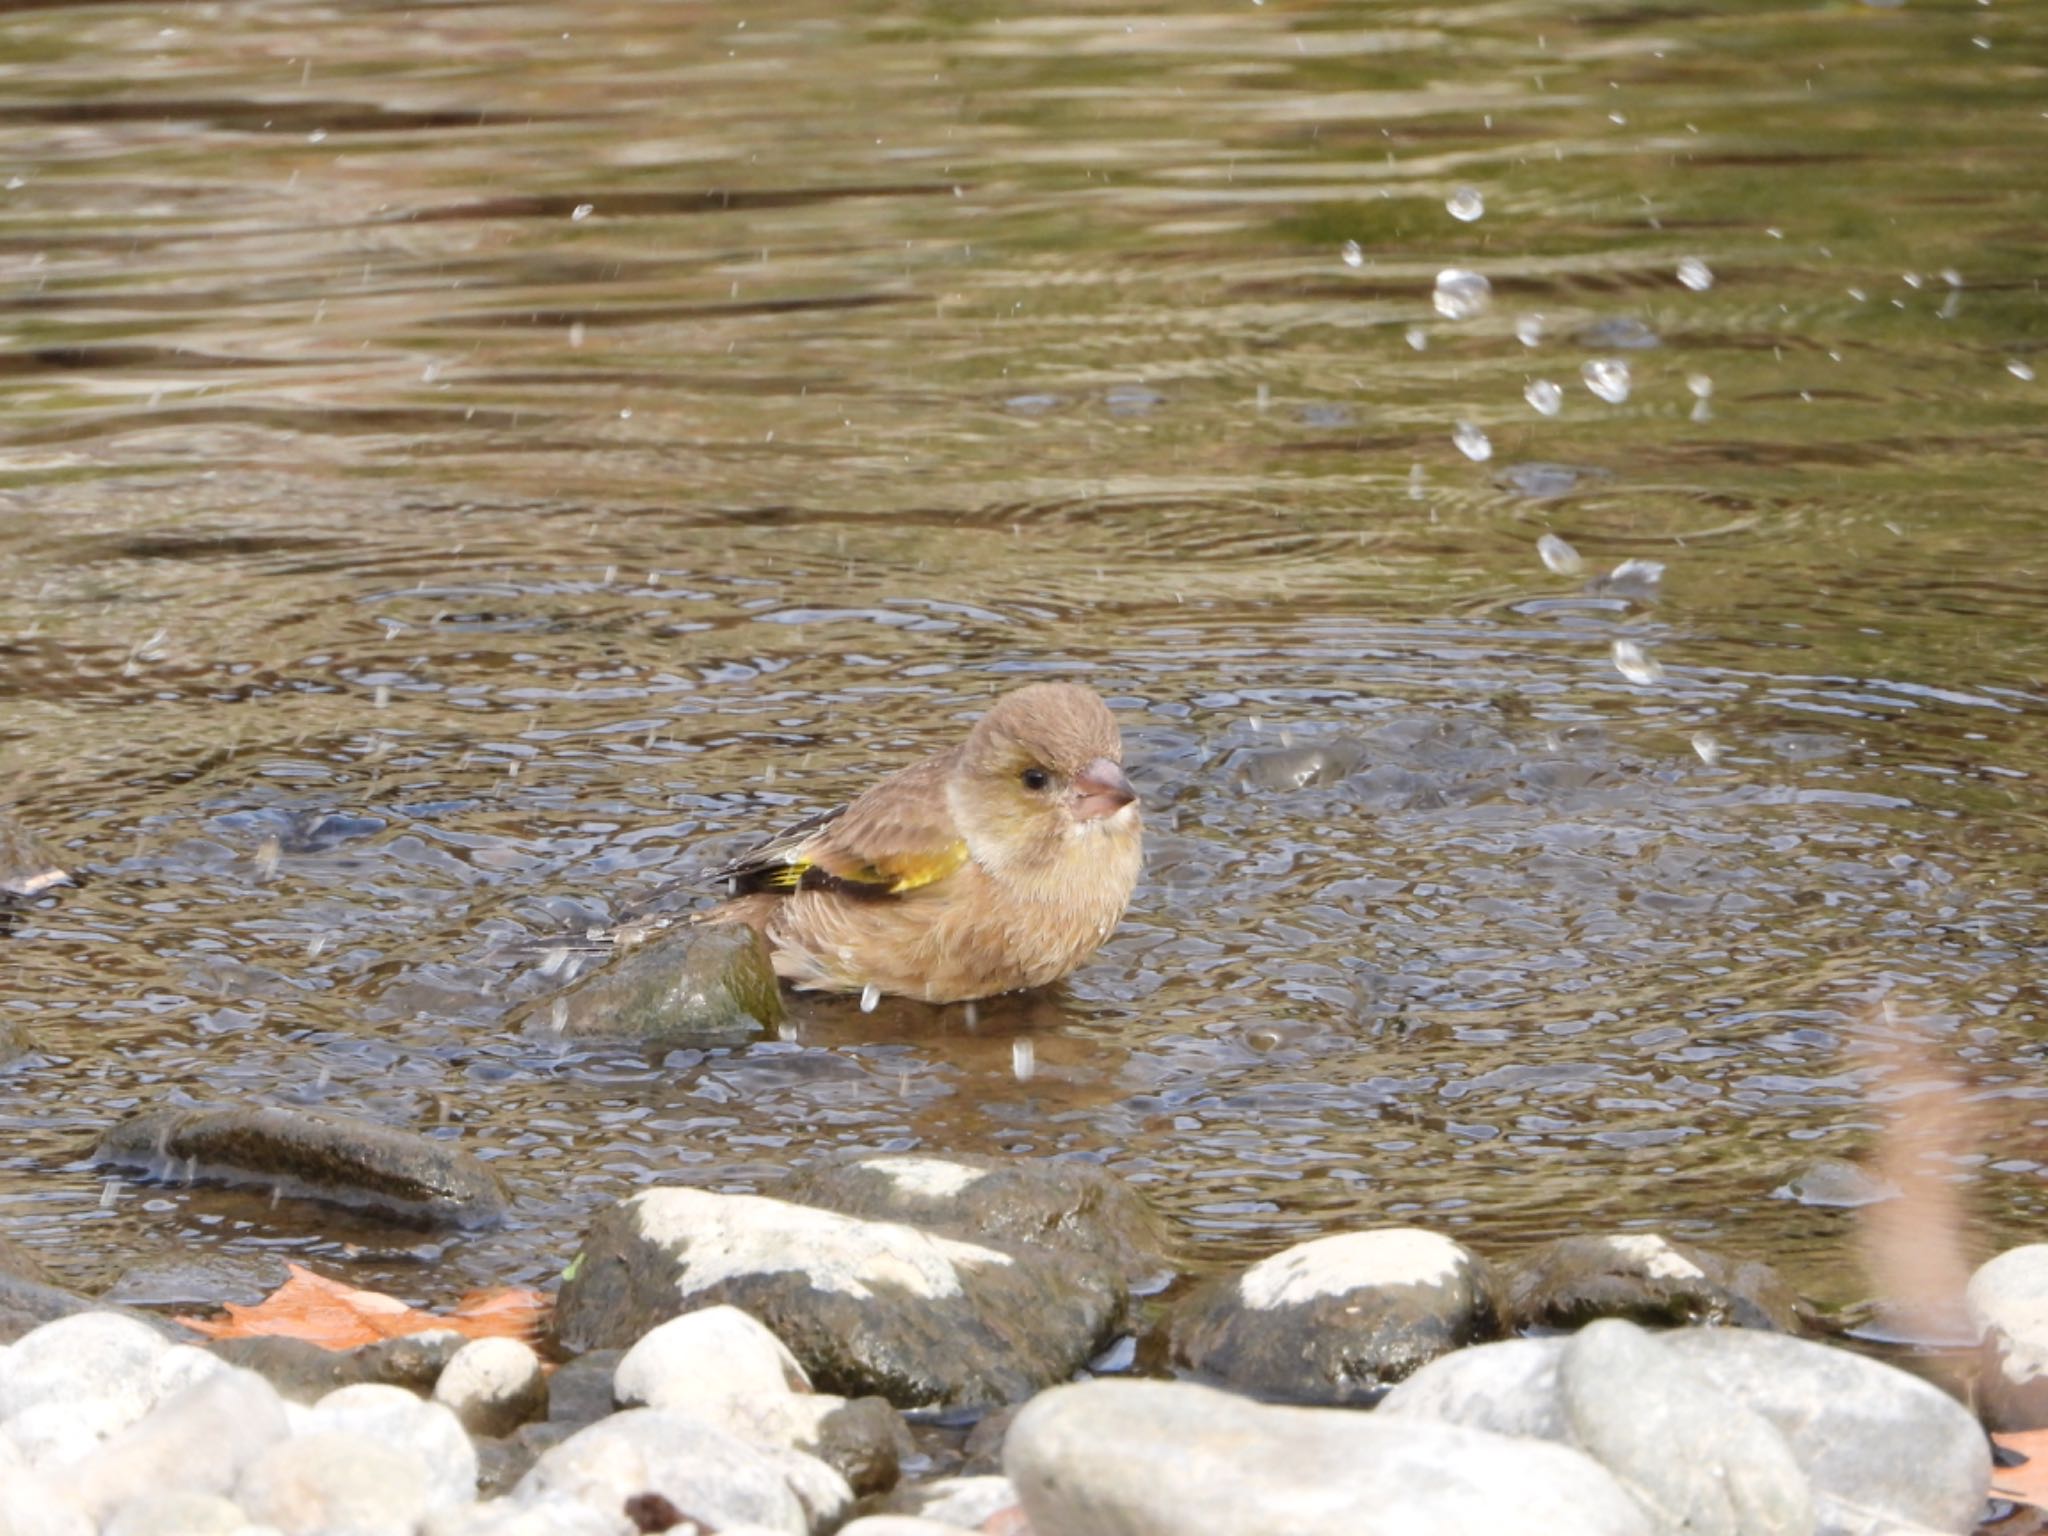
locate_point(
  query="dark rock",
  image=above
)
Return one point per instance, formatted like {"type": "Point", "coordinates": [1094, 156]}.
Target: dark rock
{"type": "Point", "coordinates": [26, 1304]}
{"type": "Point", "coordinates": [198, 1277]}
{"type": "Point", "coordinates": [501, 1463]}
{"type": "Point", "coordinates": [580, 1392]}
{"type": "Point", "coordinates": [1155, 1458]}
{"type": "Point", "coordinates": [864, 1441]}
{"type": "Point", "coordinates": [1649, 1280]}
{"type": "Point", "coordinates": [1340, 1319]}
{"type": "Point", "coordinates": [982, 1451]}
{"type": "Point", "coordinates": [1074, 1207]}
{"type": "Point", "coordinates": [414, 1361]}
{"type": "Point", "coordinates": [869, 1308]}
{"type": "Point", "coordinates": [691, 985]}
{"type": "Point", "coordinates": [301, 1371]}
{"type": "Point", "coordinates": [349, 1162]}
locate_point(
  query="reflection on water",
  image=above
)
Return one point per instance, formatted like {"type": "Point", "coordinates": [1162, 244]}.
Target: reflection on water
{"type": "Point", "coordinates": [466, 466]}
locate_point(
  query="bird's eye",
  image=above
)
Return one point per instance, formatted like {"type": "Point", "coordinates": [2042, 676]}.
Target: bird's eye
{"type": "Point", "coordinates": [1036, 779]}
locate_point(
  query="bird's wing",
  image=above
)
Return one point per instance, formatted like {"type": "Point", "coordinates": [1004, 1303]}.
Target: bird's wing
{"type": "Point", "coordinates": [896, 837]}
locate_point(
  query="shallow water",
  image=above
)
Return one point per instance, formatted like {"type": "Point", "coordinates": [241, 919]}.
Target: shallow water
{"type": "Point", "coordinates": [466, 465]}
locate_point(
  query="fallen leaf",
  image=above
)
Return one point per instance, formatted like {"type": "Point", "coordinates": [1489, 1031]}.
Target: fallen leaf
{"type": "Point", "coordinates": [336, 1316]}
{"type": "Point", "coordinates": [2026, 1483]}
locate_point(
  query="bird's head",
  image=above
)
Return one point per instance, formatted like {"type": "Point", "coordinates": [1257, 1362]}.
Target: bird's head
{"type": "Point", "coordinates": [1042, 768]}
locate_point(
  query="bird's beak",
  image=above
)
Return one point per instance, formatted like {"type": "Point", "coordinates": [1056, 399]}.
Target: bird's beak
{"type": "Point", "coordinates": [1100, 790]}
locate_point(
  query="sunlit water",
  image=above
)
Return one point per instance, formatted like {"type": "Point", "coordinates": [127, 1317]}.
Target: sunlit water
{"type": "Point", "coordinates": [465, 466]}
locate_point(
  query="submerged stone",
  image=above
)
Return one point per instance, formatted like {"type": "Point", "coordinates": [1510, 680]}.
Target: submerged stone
{"type": "Point", "coordinates": [693, 985]}
{"type": "Point", "coordinates": [356, 1163]}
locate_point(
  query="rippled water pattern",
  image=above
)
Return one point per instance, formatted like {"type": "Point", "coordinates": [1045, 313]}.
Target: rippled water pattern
{"type": "Point", "coordinates": [465, 465]}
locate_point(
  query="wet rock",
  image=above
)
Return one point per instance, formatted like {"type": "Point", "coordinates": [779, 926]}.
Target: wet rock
{"type": "Point", "coordinates": [1629, 1404]}
{"type": "Point", "coordinates": [869, 1308]}
{"type": "Point", "coordinates": [1649, 1280]}
{"type": "Point", "coordinates": [177, 1514]}
{"type": "Point", "coordinates": [27, 867]}
{"type": "Point", "coordinates": [349, 1162]}
{"type": "Point", "coordinates": [1295, 767]}
{"type": "Point", "coordinates": [414, 1361]}
{"type": "Point", "coordinates": [1074, 1207]}
{"type": "Point", "coordinates": [705, 1356]}
{"type": "Point", "coordinates": [198, 1278]}
{"type": "Point", "coordinates": [197, 1442]}
{"type": "Point", "coordinates": [1092, 1460]}
{"type": "Point", "coordinates": [714, 1478]}
{"type": "Point", "coordinates": [1833, 1184]}
{"type": "Point", "coordinates": [982, 1451]}
{"type": "Point", "coordinates": [1340, 1319]}
{"type": "Point", "coordinates": [323, 1484]}
{"type": "Point", "coordinates": [493, 1386]}
{"type": "Point", "coordinates": [300, 1371]}
{"type": "Point", "coordinates": [580, 1392]}
{"type": "Point", "coordinates": [691, 985]}
{"type": "Point", "coordinates": [2008, 1304]}
{"type": "Point", "coordinates": [393, 1417]}
{"type": "Point", "coordinates": [1879, 1449]}
{"type": "Point", "coordinates": [26, 1305]}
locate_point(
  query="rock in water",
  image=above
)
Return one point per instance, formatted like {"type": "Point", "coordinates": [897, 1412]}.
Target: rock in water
{"type": "Point", "coordinates": [868, 1307]}
{"type": "Point", "coordinates": [1154, 1458]}
{"type": "Point", "coordinates": [1340, 1319]}
{"type": "Point", "coordinates": [1649, 1280]}
{"type": "Point", "coordinates": [691, 986]}
{"type": "Point", "coordinates": [349, 1162]}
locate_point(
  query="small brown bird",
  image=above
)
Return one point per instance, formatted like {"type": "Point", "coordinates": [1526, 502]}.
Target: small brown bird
{"type": "Point", "coordinates": [999, 864]}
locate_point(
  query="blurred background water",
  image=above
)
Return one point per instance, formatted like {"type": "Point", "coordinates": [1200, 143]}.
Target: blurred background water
{"type": "Point", "coordinates": [464, 465]}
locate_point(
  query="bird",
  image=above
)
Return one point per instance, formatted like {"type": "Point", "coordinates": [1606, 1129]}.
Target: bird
{"type": "Point", "coordinates": [997, 865]}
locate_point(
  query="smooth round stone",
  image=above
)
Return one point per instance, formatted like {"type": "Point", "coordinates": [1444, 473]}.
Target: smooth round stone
{"type": "Point", "coordinates": [393, 1417]}
{"type": "Point", "coordinates": [1629, 1403]}
{"type": "Point", "coordinates": [863, 1440]}
{"type": "Point", "coordinates": [1340, 1319]}
{"type": "Point", "coordinates": [1647, 1279]}
{"type": "Point", "coordinates": [336, 1485]}
{"type": "Point", "coordinates": [2008, 1303]}
{"type": "Point", "coordinates": [1151, 1458]}
{"type": "Point", "coordinates": [177, 1514]}
{"type": "Point", "coordinates": [552, 1515]}
{"type": "Point", "coordinates": [702, 1356]}
{"type": "Point", "coordinates": [493, 1386]}
{"type": "Point", "coordinates": [199, 1441]}
{"type": "Point", "coordinates": [35, 1505]}
{"type": "Point", "coordinates": [86, 1355]}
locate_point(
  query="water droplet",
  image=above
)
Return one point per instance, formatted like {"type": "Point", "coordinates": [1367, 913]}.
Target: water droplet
{"type": "Point", "coordinates": [382, 696]}
{"type": "Point", "coordinates": [1545, 396]}
{"type": "Point", "coordinates": [2021, 371]}
{"type": "Point", "coordinates": [317, 136]}
{"type": "Point", "coordinates": [1695, 274]}
{"type": "Point", "coordinates": [1636, 664]}
{"type": "Point", "coordinates": [1529, 330]}
{"type": "Point", "coordinates": [1559, 556]}
{"type": "Point", "coordinates": [1701, 386]}
{"type": "Point", "coordinates": [576, 334]}
{"type": "Point", "coordinates": [583, 211]}
{"type": "Point", "coordinates": [1417, 338]}
{"type": "Point", "coordinates": [1472, 442]}
{"type": "Point", "coordinates": [1608, 378]}
{"type": "Point", "coordinates": [1636, 578]}
{"type": "Point", "coordinates": [430, 373]}
{"type": "Point", "coordinates": [1709, 749]}
{"type": "Point", "coordinates": [1859, 295]}
{"type": "Point", "coordinates": [1465, 204]}
{"type": "Point", "coordinates": [1023, 1060]}
{"type": "Point", "coordinates": [1354, 254]}
{"type": "Point", "coordinates": [1460, 294]}
{"type": "Point", "coordinates": [870, 995]}
{"type": "Point", "coordinates": [1952, 277]}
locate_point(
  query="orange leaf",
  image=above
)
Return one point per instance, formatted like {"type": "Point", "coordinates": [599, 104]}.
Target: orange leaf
{"type": "Point", "coordinates": [2028, 1482]}
{"type": "Point", "coordinates": [336, 1316]}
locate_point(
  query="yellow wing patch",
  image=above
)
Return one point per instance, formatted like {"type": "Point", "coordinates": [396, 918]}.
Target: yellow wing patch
{"type": "Point", "coordinates": [896, 873]}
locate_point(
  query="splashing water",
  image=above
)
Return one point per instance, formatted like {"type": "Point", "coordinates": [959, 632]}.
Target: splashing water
{"type": "Point", "coordinates": [1558, 555]}
{"type": "Point", "coordinates": [1461, 294]}
{"type": "Point", "coordinates": [870, 995]}
{"type": "Point", "coordinates": [1472, 442]}
{"type": "Point", "coordinates": [1545, 396]}
{"type": "Point", "coordinates": [1608, 378]}
{"type": "Point", "coordinates": [1708, 748]}
{"type": "Point", "coordinates": [1637, 664]}
{"type": "Point", "coordinates": [1354, 254]}
{"type": "Point", "coordinates": [1695, 274]}
{"type": "Point", "coordinates": [1465, 205]}
{"type": "Point", "coordinates": [1529, 330]}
